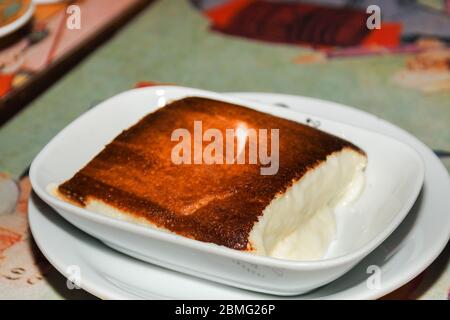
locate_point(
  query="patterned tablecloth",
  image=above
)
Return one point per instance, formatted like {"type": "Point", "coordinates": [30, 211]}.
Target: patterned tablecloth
{"type": "Point", "coordinates": [401, 73]}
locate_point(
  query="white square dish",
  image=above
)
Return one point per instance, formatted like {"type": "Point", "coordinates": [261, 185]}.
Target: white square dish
{"type": "Point", "coordinates": [394, 178]}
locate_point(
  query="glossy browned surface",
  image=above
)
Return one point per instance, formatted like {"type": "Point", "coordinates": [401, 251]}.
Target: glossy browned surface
{"type": "Point", "coordinates": [213, 203]}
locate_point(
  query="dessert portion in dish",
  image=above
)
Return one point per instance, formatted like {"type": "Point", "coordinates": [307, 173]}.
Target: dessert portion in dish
{"type": "Point", "coordinates": [284, 213]}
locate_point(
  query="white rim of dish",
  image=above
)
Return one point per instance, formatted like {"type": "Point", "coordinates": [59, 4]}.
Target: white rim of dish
{"type": "Point", "coordinates": [16, 24]}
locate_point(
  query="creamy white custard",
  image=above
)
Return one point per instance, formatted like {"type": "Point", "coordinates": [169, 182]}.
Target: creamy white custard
{"type": "Point", "coordinates": [300, 224]}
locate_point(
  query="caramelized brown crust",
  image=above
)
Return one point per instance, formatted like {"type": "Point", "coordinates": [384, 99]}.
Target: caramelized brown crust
{"type": "Point", "coordinates": [212, 203]}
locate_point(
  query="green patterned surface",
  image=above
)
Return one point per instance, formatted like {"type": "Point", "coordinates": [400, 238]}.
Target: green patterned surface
{"type": "Point", "coordinates": [170, 42]}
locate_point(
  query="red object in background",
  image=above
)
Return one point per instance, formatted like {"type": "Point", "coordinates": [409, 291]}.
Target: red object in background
{"type": "Point", "coordinates": [388, 36]}
{"type": "Point", "coordinates": [293, 23]}
{"type": "Point", "coordinates": [5, 83]}
{"type": "Point", "coordinates": [298, 23]}
{"type": "Point", "coordinates": [222, 15]}
{"type": "Point", "coordinates": [144, 84]}
{"type": "Point", "coordinates": [8, 238]}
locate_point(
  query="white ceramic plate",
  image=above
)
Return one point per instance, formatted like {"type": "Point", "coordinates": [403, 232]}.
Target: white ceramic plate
{"type": "Point", "coordinates": [406, 253]}
{"type": "Point", "coordinates": [394, 176]}
{"type": "Point", "coordinates": [18, 23]}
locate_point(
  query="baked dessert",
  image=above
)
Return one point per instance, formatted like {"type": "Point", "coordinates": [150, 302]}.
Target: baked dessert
{"type": "Point", "coordinates": [285, 214]}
